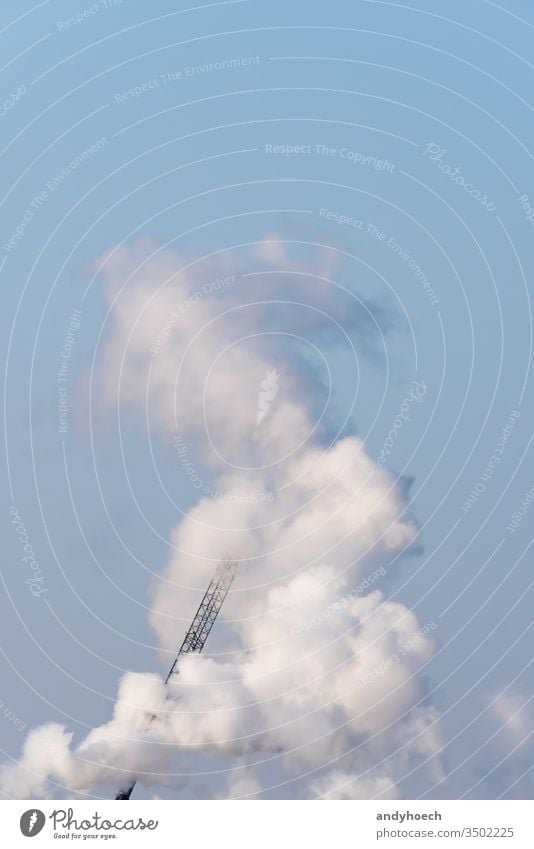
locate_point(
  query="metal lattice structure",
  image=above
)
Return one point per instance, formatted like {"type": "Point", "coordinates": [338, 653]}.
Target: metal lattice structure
{"type": "Point", "coordinates": [199, 630]}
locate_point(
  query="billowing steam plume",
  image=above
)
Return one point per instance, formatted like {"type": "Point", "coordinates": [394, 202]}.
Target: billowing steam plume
{"type": "Point", "coordinates": [319, 679]}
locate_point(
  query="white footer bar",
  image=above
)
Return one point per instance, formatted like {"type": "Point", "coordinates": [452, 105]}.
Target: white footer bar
{"type": "Point", "coordinates": [269, 825]}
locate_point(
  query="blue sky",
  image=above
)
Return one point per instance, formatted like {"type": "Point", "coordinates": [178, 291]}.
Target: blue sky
{"type": "Point", "coordinates": [194, 162]}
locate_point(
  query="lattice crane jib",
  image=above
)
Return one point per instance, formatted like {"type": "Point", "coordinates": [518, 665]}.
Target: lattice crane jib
{"type": "Point", "coordinates": [199, 630]}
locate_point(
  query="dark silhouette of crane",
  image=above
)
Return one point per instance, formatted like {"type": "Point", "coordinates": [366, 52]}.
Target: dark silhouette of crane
{"type": "Point", "coordinates": [199, 630]}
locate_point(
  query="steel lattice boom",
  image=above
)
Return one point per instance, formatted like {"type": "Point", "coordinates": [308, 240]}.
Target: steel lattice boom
{"type": "Point", "coordinates": [199, 630]}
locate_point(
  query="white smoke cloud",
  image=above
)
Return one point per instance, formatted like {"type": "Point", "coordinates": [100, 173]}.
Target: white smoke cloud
{"type": "Point", "coordinates": [49, 756]}
{"type": "Point", "coordinates": [341, 705]}
{"type": "Point", "coordinates": [342, 785]}
{"type": "Point", "coordinates": [243, 787]}
{"type": "Point", "coordinates": [515, 713]}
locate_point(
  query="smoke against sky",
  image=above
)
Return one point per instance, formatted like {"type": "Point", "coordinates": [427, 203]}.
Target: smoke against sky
{"type": "Point", "coordinates": [344, 700]}
{"type": "Point", "coordinates": [266, 279]}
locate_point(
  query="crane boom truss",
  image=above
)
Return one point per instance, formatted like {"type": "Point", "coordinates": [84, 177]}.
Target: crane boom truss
{"type": "Point", "coordinates": [200, 628]}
